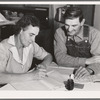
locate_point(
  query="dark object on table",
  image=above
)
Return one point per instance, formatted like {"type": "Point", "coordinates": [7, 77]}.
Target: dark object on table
{"type": "Point", "coordinates": [1, 85]}
{"type": "Point", "coordinates": [78, 85]}
{"type": "Point", "coordinates": [69, 84]}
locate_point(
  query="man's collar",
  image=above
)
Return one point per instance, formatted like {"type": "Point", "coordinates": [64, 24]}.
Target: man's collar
{"type": "Point", "coordinates": [80, 35]}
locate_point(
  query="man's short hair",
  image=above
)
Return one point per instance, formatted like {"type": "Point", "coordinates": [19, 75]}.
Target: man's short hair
{"type": "Point", "coordinates": [73, 12]}
{"type": "Point", "coordinates": [25, 21]}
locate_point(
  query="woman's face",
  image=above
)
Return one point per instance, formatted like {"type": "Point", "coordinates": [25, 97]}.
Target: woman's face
{"type": "Point", "coordinates": [28, 34]}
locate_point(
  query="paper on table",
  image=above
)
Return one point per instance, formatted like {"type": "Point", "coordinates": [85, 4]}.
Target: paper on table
{"type": "Point", "coordinates": [52, 82]}
{"type": "Point", "coordinates": [30, 85]}
{"type": "Point", "coordinates": [61, 69]}
{"type": "Point", "coordinates": [55, 80]}
{"type": "Point", "coordinates": [91, 78]}
{"type": "Point", "coordinates": [89, 86]}
{"type": "Point", "coordinates": [58, 76]}
{"type": "Point", "coordinates": [7, 87]}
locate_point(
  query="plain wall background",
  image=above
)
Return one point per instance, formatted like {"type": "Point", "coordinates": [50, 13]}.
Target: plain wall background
{"type": "Point", "coordinates": [97, 17]}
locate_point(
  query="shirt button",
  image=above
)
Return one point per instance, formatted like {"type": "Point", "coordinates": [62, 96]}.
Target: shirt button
{"type": "Point", "coordinates": [86, 41]}
{"type": "Point", "coordinates": [68, 39]}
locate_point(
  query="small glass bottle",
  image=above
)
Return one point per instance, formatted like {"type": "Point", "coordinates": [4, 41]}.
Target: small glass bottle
{"type": "Point", "coordinates": [70, 82]}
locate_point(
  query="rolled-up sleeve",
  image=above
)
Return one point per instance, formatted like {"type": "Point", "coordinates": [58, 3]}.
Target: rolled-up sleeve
{"type": "Point", "coordinates": [39, 52]}
{"type": "Point", "coordinates": [60, 52]}
{"type": "Point", "coordinates": [94, 41]}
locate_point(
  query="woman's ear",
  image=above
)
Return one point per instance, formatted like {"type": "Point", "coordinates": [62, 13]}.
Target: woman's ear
{"type": "Point", "coordinates": [82, 22]}
{"type": "Point", "coordinates": [21, 30]}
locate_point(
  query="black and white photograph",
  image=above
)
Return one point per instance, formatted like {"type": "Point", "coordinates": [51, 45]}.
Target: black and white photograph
{"type": "Point", "coordinates": [50, 48]}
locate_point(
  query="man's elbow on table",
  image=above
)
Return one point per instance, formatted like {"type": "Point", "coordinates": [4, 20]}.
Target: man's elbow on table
{"type": "Point", "coordinates": [62, 62]}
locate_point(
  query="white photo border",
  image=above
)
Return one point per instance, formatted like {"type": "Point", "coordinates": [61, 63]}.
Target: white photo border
{"type": "Point", "coordinates": [50, 94]}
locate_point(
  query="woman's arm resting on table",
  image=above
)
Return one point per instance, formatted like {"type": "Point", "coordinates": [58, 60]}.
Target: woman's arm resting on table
{"type": "Point", "coordinates": [46, 61]}
{"type": "Point", "coordinates": [19, 77]}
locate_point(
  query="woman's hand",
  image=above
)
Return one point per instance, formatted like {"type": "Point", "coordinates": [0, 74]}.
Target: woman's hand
{"type": "Point", "coordinates": [41, 67]}
{"type": "Point", "coordinates": [38, 73]}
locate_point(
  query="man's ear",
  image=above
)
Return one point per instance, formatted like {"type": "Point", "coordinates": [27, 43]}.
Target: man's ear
{"type": "Point", "coordinates": [82, 22]}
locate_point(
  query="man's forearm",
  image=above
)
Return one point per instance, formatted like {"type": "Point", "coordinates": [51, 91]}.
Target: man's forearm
{"type": "Point", "coordinates": [69, 61]}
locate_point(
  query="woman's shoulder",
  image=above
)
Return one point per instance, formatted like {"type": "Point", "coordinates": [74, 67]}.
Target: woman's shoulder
{"type": "Point", "coordinates": [4, 43]}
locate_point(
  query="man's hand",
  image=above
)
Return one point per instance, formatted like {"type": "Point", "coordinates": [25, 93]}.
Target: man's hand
{"type": "Point", "coordinates": [95, 59]}
{"type": "Point", "coordinates": [81, 72]}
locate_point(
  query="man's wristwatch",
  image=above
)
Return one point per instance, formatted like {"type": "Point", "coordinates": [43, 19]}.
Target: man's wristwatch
{"type": "Point", "coordinates": [90, 71]}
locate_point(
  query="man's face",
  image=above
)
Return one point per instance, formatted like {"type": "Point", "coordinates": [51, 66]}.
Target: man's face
{"type": "Point", "coordinates": [27, 35]}
{"type": "Point", "coordinates": [73, 26]}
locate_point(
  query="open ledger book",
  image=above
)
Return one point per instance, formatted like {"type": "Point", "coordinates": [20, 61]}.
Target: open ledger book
{"type": "Point", "coordinates": [54, 81]}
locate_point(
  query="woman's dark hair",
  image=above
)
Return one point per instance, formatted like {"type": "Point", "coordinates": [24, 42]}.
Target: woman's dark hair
{"type": "Point", "coordinates": [73, 12]}
{"type": "Point", "coordinates": [25, 21]}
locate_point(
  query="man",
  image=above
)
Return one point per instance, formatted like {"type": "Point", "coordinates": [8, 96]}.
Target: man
{"type": "Point", "coordinates": [77, 45]}
{"type": "Point", "coordinates": [17, 52]}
